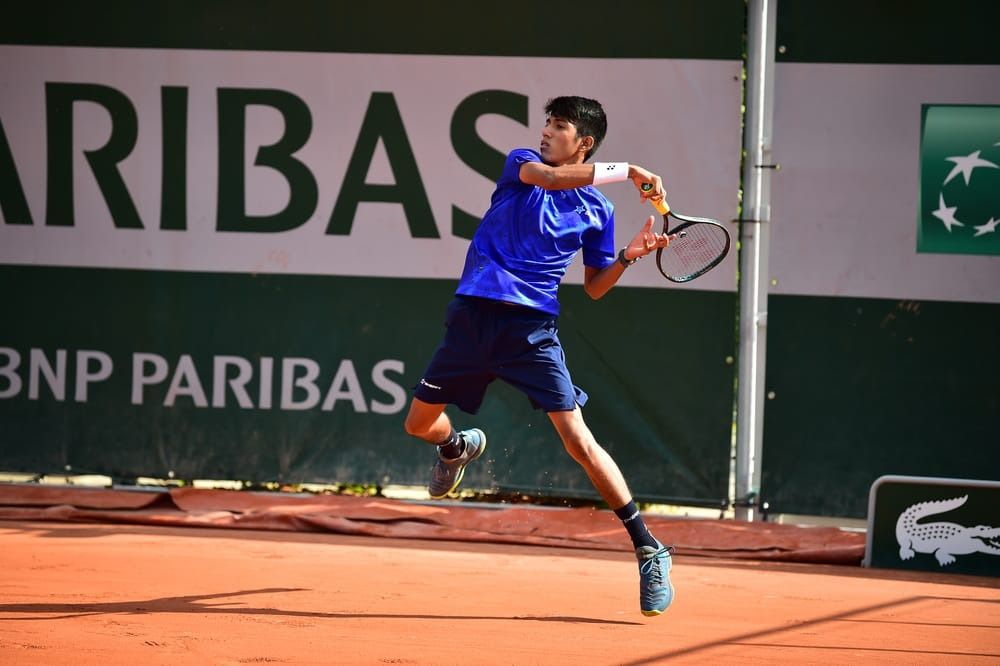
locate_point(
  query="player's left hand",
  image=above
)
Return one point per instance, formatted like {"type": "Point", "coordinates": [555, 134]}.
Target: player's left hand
{"type": "Point", "coordinates": [647, 240]}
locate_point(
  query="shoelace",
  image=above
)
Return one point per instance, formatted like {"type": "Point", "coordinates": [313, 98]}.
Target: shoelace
{"type": "Point", "coordinates": [652, 565]}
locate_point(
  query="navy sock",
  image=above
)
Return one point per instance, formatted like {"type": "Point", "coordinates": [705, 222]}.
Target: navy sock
{"type": "Point", "coordinates": [637, 531]}
{"type": "Point", "coordinates": [452, 446]}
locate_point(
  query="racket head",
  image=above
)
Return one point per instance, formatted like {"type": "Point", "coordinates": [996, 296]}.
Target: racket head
{"type": "Point", "coordinates": [701, 245]}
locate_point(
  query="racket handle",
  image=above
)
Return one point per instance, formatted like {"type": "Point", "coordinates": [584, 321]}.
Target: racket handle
{"type": "Point", "coordinates": [660, 205]}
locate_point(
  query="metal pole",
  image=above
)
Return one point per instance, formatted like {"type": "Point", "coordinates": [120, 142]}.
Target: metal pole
{"type": "Point", "coordinates": [754, 243]}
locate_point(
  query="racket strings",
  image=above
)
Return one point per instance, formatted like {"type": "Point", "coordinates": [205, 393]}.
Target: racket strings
{"type": "Point", "coordinates": [698, 249]}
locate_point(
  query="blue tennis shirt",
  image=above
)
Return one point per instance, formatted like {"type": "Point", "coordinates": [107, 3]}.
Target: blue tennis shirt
{"type": "Point", "coordinates": [529, 236]}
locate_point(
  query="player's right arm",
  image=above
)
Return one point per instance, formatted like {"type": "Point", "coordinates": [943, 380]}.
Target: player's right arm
{"type": "Point", "coordinates": [564, 177]}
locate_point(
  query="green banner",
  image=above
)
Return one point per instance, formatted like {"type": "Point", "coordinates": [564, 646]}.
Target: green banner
{"type": "Point", "coordinates": [307, 378]}
{"type": "Point", "coordinates": [959, 180]}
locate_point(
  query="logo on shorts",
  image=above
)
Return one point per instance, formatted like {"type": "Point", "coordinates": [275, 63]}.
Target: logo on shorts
{"type": "Point", "coordinates": [959, 180]}
{"type": "Point", "coordinates": [426, 383]}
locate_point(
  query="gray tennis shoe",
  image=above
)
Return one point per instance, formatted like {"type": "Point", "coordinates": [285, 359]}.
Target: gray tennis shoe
{"type": "Point", "coordinates": [655, 590]}
{"type": "Point", "coordinates": [447, 474]}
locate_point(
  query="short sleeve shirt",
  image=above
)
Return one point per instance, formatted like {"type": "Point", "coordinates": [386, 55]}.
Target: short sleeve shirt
{"type": "Point", "coordinates": [529, 236]}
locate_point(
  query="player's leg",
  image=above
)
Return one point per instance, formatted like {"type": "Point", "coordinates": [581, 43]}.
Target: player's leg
{"type": "Point", "coordinates": [536, 365]}
{"type": "Point", "coordinates": [596, 462]}
{"type": "Point", "coordinates": [655, 590]}
{"type": "Point", "coordinates": [602, 471]}
{"type": "Point", "coordinates": [455, 376]}
{"type": "Point", "coordinates": [455, 450]}
{"type": "Point", "coordinates": [427, 421]}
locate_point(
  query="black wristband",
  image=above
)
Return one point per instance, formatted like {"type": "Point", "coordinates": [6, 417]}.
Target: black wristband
{"type": "Point", "coordinates": [623, 261]}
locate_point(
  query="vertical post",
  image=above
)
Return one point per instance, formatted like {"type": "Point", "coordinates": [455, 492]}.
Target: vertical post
{"type": "Point", "coordinates": [754, 243]}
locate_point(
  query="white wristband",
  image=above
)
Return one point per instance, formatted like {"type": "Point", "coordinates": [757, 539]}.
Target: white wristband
{"type": "Point", "coordinates": [610, 172]}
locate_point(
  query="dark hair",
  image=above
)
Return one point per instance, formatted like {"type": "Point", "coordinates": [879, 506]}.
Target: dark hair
{"type": "Point", "coordinates": [587, 115]}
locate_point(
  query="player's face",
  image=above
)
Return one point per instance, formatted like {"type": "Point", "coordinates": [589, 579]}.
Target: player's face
{"type": "Point", "coordinates": [560, 142]}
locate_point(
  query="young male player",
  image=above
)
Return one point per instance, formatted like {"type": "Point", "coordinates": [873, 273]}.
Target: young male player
{"type": "Point", "coordinates": [502, 321]}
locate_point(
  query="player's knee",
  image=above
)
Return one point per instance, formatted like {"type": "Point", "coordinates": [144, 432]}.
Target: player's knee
{"type": "Point", "coordinates": [414, 427]}
{"type": "Point", "coordinates": [581, 447]}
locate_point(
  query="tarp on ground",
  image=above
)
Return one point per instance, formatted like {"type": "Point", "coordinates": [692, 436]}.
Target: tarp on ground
{"type": "Point", "coordinates": [587, 528]}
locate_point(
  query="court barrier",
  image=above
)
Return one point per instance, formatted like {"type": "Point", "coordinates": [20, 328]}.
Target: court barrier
{"type": "Point", "coordinates": [933, 524]}
{"type": "Point", "coordinates": [584, 528]}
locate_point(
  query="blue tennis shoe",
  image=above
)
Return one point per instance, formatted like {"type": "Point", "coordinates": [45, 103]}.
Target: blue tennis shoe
{"type": "Point", "coordinates": [447, 474]}
{"type": "Point", "coordinates": [655, 590]}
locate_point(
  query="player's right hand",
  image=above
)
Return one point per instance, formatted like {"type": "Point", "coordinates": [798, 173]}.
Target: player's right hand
{"type": "Point", "coordinates": [640, 177]}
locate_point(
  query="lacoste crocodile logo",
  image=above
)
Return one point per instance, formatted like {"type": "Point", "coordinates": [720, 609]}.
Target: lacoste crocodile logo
{"type": "Point", "coordinates": [941, 539]}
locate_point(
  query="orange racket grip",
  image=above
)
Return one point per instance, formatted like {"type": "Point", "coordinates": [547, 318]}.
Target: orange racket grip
{"type": "Point", "coordinates": [660, 205]}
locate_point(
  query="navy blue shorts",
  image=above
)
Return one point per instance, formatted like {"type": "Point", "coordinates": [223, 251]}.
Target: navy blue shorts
{"type": "Point", "coordinates": [486, 340]}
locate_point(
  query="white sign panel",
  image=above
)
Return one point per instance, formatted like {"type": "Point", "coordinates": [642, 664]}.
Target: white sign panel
{"type": "Point", "coordinates": [845, 204]}
{"type": "Point", "coordinates": [118, 153]}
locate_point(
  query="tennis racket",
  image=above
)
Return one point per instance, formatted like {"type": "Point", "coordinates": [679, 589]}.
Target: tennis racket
{"type": "Point", "coordinates": [700, 244]}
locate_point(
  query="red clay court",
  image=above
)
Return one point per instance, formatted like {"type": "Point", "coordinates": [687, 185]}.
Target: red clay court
{"type": "Point", "coordinates": [116, 577]}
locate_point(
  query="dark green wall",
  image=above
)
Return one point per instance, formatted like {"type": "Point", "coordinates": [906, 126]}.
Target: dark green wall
{"type": "Point", "coordinates": [866, 387]}
{"type": "Point", "coordinates": [661, 394]}
{"type": "Point", "coordinates": [708, 29]}
{"type": "Point", "coordinates": [879, 31]}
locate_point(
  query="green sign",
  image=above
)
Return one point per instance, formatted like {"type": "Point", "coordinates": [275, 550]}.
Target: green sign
{"type": "Point", "coordinates": [296, 378]}
{"type": "Point", "coordinates": [927, 524]}
{"type": "Point", "coordinates": [959, 180]}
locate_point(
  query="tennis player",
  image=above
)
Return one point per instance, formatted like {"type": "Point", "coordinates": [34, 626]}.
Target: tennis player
{"type": "Point", "coordinates": [501, 323]}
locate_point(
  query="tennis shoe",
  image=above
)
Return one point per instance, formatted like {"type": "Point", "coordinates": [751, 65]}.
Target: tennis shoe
{"type": "Point", "coordinates": [447, 474]}
{"type": "Point", "coordinates": [655, 590]}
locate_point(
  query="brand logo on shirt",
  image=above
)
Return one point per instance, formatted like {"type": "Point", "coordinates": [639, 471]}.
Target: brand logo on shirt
{"type": "Point", "coordinates": [585, 213]}
{"type": "Point", "coordinates": [429, 385]}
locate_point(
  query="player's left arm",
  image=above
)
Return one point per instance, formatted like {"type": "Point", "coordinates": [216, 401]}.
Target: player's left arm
{"type": "Point", "coordinates": [599, 281]}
